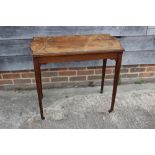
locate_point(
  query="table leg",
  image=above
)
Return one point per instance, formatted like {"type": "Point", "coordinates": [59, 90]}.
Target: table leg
{"type": "Point", "coordinates": [38, 85]}
{"type": "Point", "coordinates": [116, 79]}
{"type": "Point", "coordinates": [41, 84]}
{"type": "Point", "coordinates": [103, 74]}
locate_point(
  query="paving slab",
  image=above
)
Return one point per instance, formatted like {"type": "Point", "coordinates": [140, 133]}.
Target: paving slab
{"type": "Point", "coordinates": [80, 108]}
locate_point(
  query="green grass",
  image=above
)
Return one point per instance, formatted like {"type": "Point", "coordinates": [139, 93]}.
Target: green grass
{"type": "Point", "coordinates": [120, 81]}
{"type": "Point", "coordinates": [139, 81]}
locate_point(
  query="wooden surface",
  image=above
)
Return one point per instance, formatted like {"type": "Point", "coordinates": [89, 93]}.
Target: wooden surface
{"type": "Point", "coordinates": [15, 53]}
{"type": "Point", "coordinates": [76, 44]}
{"type": "Point", "coordinates": [27, 32]}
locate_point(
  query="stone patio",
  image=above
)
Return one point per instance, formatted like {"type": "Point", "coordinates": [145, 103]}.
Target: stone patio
{"type": "Point", "coordinates": [80, 108]}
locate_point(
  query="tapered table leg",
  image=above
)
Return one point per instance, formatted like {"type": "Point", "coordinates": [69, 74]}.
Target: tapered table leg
{"type": "Point", "coordinates": [116, 79]}
{"type": "Point", "coordinates": [38, 85]}
{"type": "Point", "coordinates": [41, 83]}
{"type": "Point", "coordinates": [103, 74]}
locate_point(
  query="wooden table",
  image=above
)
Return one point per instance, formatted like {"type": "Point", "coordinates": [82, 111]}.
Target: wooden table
{"type": "Point", "coordinates": [76, 48]}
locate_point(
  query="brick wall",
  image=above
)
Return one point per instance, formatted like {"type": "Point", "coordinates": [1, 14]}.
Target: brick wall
{"type": "Point", "coordinates": [70, 77]}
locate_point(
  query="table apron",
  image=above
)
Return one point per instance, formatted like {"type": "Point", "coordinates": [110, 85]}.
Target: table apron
{"type": "Point", "coordinates": [79, 57]}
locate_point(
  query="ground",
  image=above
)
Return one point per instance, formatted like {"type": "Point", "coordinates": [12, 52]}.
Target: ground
{"type": "Point", "coordinates": [80, 108]}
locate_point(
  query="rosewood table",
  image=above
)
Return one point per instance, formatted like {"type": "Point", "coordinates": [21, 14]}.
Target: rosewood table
{"type": "Point", "coordinates": [76, 48]}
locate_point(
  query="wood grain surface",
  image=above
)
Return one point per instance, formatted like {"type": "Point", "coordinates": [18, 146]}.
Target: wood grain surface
{"type": "Point", "coordinates": [75, 44]}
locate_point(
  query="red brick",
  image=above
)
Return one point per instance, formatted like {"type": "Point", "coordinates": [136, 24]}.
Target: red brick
{"type": "Point", "coordinates": [59, 79]}
{"type": "Point", "coordinates": [129, 75]}
{"type": "Point", "coordinates": [95, 77]}
{"type": "Point", "coordinates": [85, 72]}
{"type": "Point", "coordinates": [11, 76]}
{"type": "Point", "coordinates": [124, 70]}
{"type": "Point", "coordinates": [67, 73]}
{"type": "Point", "coordinates": [109, 70]}
{"type": "Point", "coordinates": [146, 74]}
{"type": "Point", "coordinates": [27, 75]}
{"type": "Point", "coordinates": [151, 69]}
{"type": "Point", "coordinates": [137, 69]}
{"type": "Point", "coordinates": [99, 71]}
{"type": "Point", "coordinates": [44, 80]}
{"type": "Point", "coordinates": [49, 74]}
{"type": "Point", "coordinates": [22, 81]}
{"type": "Point", "coordinates": [78, 78]}
{"type": "Point", "coordinates": [109, 76]}
{"type": "Point", "coordinates": [33, 80]}
{"type": "Point", "coordinates": [3, 82]}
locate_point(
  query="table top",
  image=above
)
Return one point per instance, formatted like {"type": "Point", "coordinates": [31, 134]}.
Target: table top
{"type": "Point", "coordinates": [75, 44]}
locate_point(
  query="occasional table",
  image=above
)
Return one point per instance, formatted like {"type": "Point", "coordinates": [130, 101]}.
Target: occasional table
{"type": "Point", "coordinates": [76, 48]}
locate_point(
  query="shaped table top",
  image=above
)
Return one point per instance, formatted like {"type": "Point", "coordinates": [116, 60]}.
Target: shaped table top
{"type": "Point", "coordinates": [75, 44]}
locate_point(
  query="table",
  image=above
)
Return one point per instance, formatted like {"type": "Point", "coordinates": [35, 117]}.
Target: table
{"type": "Point", "coordinates": [76, 48]}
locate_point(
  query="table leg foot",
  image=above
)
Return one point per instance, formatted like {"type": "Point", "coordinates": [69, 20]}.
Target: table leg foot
{"type": "Point", "coordinates": [42, 117]}
{"type": "Point", "coordinates": [111, 110]}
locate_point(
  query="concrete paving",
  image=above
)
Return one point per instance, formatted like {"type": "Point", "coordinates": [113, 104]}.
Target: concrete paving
{"type": "Point", "coordinates": [77, 108]}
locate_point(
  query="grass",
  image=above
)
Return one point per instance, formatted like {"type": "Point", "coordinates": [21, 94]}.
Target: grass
{"type": "Point", "coordinates": [120, 81]}
{"type": "Point", "coordinates": [139, 81]}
